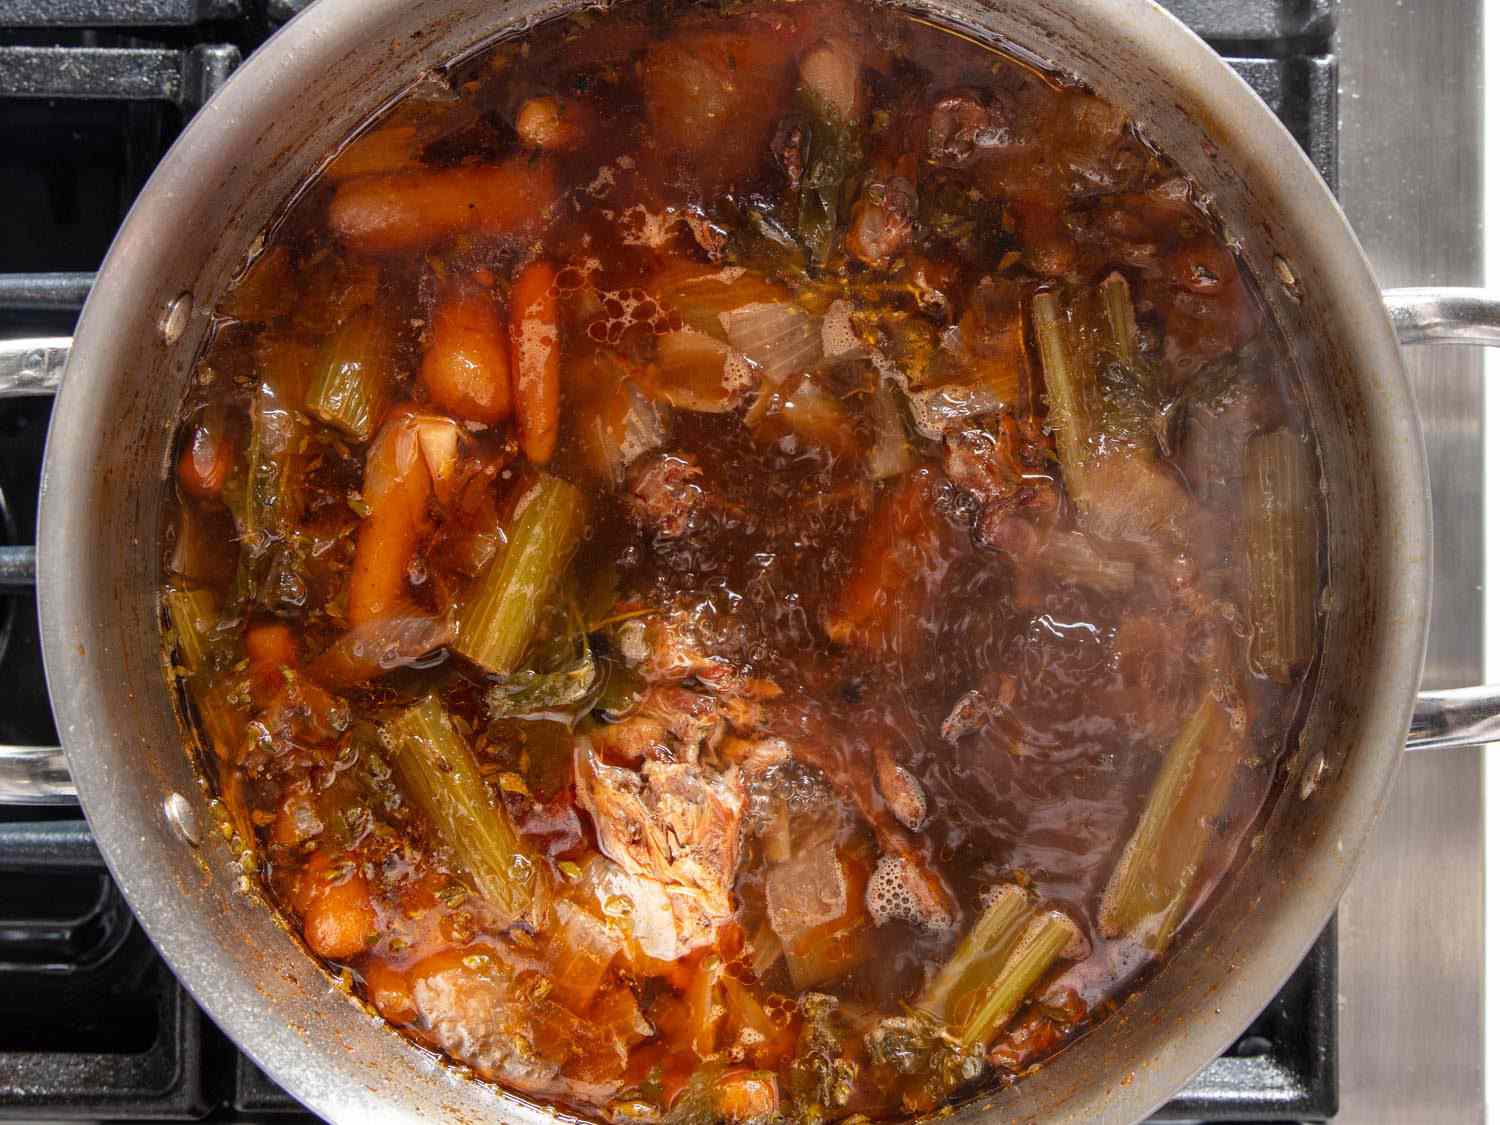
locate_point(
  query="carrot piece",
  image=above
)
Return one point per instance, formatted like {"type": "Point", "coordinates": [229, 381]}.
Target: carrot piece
{"type": "Point", "coordinates": [899, 564]}
{"type": "Point", "coordinates": [271, 648]}
{"type": "Point", "coordinates": [536, 338]}
{"type": "Point", "coordinates": [746, 1096]}
{"type": "Point", "coordinates": [553, 124]}
{"type": "Point", "coordinates": [405, 210]}
{"type": "Point", "coordinates": [466, 369]}
{"type": "Point", "coordinates": [338, 919]}
{"type": "Point", "coordinates": [390, 148]}
{"type": "Point", "coordinates": [396, 489]}
{"type": "Point", "coordinates": [390, 992]}
{"type": "Point", "coordinates": [207, 458]}
{"type": "Point", "coordinates": [271, 644]}
{"type": "Point", "coordinates": [297, 819]}
{"type": "Point", "coordinates": [295, 708]}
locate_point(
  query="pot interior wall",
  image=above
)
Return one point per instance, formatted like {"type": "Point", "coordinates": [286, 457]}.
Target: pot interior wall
{"type": "Point", "coordinates": [110, 447]}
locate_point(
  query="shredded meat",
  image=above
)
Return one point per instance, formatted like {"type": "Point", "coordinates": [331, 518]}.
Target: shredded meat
{"type": "Point", "coordinates": [671, 723]}
{"type": "Point", "coordinates": [880, 223]}
{"type": "Point", "coordinates": [901, 790]}
{"type": "Point", "coordinates": [960, 126]}
{"type": "Point", "coordinates": [493, 1016]}
{"type": "Point", "coordinates": [673, 821]}
{"type": "Point", "coordinates": [664, 495]}
{"type": "Point", "coordinates": [471, 1016]}
{"type": "Point", "coordinates": [1004, 470]}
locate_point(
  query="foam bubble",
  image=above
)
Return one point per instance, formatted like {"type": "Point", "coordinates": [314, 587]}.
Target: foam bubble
{"type": "Point", "coordinates": [739, 373]}
{"type": "Point", "coordinates": [897, 893]}
{"type": "Point", "coordinates": [624, 308]}
{"type": "Point", "coordinates": [838, 329]}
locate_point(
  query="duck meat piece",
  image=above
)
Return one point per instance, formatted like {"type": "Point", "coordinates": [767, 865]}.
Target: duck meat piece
{"type": "Point", "coordinates": [670, 724]}
{"type": "Point", "coordinates": [880, 223]}
{"type": "Point", "coordinates": [491, 1016]}
{"type": "Point", "coordinates": [674, 646]}
{"type": "Point", "coordinates": [755, 757]}
{"type": "Point", "coordinates": [665, 495]}
{"type": "Point", "coordinates": [959, 126]}
{"type": "Point", "coordinates": [1005, 471]}
{"type": "Point", "coordinates": [903, 793]}
{"type": "Point", "coordinates": [676, 822]}
{"type": "Point", "coordinates": [471, 1015]}
{"type": "Point", "coordinates": [1217, 427]}
{"type": "Point", "coordinates": [1135, 504]}
{"type": "Point", "coordinates": [661, 921]}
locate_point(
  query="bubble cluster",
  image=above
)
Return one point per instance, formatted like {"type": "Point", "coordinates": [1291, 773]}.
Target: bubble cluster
{"type": "Point", "coordinates": [838, 330]}
{"type": "Point", "coordinates": [896, 893]}
{"type": "Point", "coordinates": [623, 309]}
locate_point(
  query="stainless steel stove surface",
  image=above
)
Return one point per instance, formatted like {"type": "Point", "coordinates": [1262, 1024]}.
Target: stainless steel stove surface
{"type": "Point", "coordinates": [93, 1026]}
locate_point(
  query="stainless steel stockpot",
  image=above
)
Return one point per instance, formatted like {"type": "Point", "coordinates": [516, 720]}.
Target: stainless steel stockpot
{"type": "Point", "coordinates": [109, 451]}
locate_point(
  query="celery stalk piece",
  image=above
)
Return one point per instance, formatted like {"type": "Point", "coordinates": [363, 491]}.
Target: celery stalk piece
{"type": "Point", "coordinates": [1280, 488]}
{"type": "Point", "coordinates": [1074, 558]}
{"type": "Point", "coordinates": [440, 775]}
{"type": "Point", "coordinates": [195, 618]}
{"type": "Point", "coordinates": [1119, 309]}
{"type": "Point", "coordinates": [978, 957]}
{"type": "Point", "coordinates": [271, 497]}
{"type": "Point", "coordinates": [221, 722]}
{"type": "Point", "coordinates": [890, 455]}
{"type": "Point", "coordinates": [499, 616]}
{"type": "Point", "coordinates": [705, 1011]}
{"type": "Point", "coordinates": [1148, 891]}
{"type": "Point", "coordinates": [352, 386]}
{"type": "Point", "coordinates": [1047, 937]}
{"type": "Point", "coordinates": [1067, 384]}
{"type": "Point", "coordinates": [269, 509]}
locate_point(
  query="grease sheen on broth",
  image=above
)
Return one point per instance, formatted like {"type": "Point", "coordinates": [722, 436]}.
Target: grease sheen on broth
{"type": "Point", "coordinates": [743, 564]}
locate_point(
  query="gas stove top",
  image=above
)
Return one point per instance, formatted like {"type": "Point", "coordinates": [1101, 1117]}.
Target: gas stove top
{"type": "Point", "coordinates": [92, 1024]}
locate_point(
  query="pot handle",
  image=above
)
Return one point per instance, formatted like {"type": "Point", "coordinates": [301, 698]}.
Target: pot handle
{"type": "Point", "coordinates": [32, 367]}
{"type": "Point", "coordinates": [31, 775]}
{"type": "Point", "coordinates": [1452, 718]}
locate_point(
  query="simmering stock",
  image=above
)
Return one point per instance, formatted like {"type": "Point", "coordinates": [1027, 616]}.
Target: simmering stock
{"type": "Point", "coordinates": [740, 564]}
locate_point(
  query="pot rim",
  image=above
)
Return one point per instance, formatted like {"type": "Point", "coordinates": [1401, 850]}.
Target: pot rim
{"type": "Point", "coordinates": [1265, 155]}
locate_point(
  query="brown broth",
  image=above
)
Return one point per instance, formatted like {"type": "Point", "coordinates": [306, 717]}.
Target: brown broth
{"type": "Point", "coordinates": [841, 603]}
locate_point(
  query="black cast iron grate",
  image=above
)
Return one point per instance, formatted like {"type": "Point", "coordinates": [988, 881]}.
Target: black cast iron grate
{"type": "Point", "coordinates": [92, 1025]}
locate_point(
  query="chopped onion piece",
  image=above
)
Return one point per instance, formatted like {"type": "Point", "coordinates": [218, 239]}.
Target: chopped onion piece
{"type": "Point", "coordinates": [890, 455]}
{"type": "Point", "coordinates": [642, 429]}
{"type": "Point", "coordinates": [438, 438]}
{"type": "Point", "coordinates": [779, 338]}
{"type": "Point", "coordinates": [817, 418]}
{"type": "Point", "coordinates": [937, 410]}
{"type": "Point", "coordinates": [373, 648]}
{"type": "Point", "coordinates": [619, 427]}
{"type": "Point", "coordinates": [694, 372]}
{"type": "Point", "coordinates": [702, 295]}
